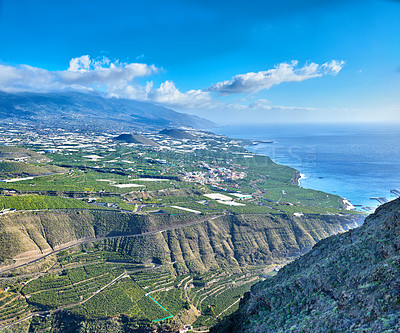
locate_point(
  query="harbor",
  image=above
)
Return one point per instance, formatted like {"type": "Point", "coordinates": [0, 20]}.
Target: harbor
{"type": "Point", "coordinates": [383, 200]}
{"type": "Point", "coordinates": [396, 192]}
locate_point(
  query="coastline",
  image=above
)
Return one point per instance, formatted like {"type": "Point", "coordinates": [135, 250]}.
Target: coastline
{"type": "Point", "coordinates": [356, 161]}
{"type": "Point", "coordinates": [347, 205]}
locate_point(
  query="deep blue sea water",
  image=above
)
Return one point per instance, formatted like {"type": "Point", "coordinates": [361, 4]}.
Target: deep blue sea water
{"type": "Point", "coordinates": [354, 161]}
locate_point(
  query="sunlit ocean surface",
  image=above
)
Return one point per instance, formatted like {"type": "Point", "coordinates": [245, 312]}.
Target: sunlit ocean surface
{"type": "Point", "coordinates": [356, 162]}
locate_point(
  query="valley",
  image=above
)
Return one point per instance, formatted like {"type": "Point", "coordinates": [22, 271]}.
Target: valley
{"type": "Point", "coordinates": [156, 234]}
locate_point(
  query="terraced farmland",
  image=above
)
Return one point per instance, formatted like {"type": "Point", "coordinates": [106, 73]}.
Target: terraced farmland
{"type": "Point", "coordinates": [91, 285]}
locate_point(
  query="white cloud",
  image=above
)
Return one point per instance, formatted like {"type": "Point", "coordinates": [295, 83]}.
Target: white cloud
{"type": "Point", "coordinates": [167, 93]}
{"type": "Point", "coordinates": [117, 79]}
{"type": "Point", "coordinates": [255, 81]}
{"type": "Point", "coordinates": [130, 91]}
{"type": "Point", "coordinates": [26, 78]}
{"type": "Point", "coordinates": [83, 73]}
{"type": "Point", "coordinates": [261, 104]}
{"type": "Point", "coordinates": [80, 64]}
{"type": "Point", "coordinates": [88, 72]}
{"type": "Point", "coordinates": [333, 67]}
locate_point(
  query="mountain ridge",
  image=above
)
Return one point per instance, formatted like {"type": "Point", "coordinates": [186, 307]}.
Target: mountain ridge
{"type": "Point", "coordinates": [251, 238]}
{"type": "Point", "coordinates": [91, 111]}
{"type": "Point", "coordinates": [347, 282]}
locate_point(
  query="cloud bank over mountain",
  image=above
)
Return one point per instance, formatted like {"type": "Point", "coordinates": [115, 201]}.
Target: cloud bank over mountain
{"type": "Point", "coordinates": [121, 80]}
{"type": "Point", "coordinates": [83, 73]}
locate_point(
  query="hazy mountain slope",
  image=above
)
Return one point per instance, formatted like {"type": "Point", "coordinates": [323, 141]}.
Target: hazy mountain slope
{"type": "Point", "coordinates": [347, 283]}
{"type": "Point", "coordinates": [91, 111]}
{"type": "Point", "coordinates": [177, 133]}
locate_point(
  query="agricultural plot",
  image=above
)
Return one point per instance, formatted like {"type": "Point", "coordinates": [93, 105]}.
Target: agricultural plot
{"type": "Point", "coordinates": [150, 281]}
{"type": "Point", "coordinates": [33, 202]}
{"type": "Point", "coordinates": [215, 294]}
{"type": "Point", "coordinates": [172, 300]}
{"type": "Point", "coordinates": [72, 286]}
{"type": "Point", "coordinates": [91, 287]}
{"type": "Point", "coordinates": [223, 299]}
{"type": "Point", "coordinates": [12, 305]}
{"type": "Point", "coordinates": [305, 203]}
{"type": "Point", "coordinates": [97, 289]}
{"type": "Point", "coordinates": [118, 201]}
{"type": "Point", "coordinates": [82, 181]}
{"type": "Point", "coordinates": [120, 298]}
{"type": "Point", "coordinates": [120, 172]}
{"type": "Point", "coordinates": [124, 297]}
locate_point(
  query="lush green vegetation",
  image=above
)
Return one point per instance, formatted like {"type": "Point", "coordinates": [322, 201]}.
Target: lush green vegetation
{"type": "Point", "coordinates": [82, 282]}
{"type": "Point", "coordinates": [124, 297]}
{"type": "Point", "coordinates": [83, 181]}
{"type": "Point", "coordinates": [32, 202]}
{"type": "Point", "coordinates": [120, 202]}
{"type": "Point", "coordinates": [22, 169]}
{"type": "Point", "coordinates": [270, 184]}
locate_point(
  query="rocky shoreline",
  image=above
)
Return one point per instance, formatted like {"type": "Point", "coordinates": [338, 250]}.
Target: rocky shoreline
{"type": "Point", "coordinates": [296, 178]}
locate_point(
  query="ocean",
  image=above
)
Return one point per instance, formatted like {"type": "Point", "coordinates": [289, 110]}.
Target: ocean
{"type": "Point", "coordinates": [355, 161]}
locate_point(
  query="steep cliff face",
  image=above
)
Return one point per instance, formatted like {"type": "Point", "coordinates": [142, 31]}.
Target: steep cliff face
{"type": "Point", "coordinates": [227, 241]}
{"type": "Point", "coordinates": [23, 234]}
{"type": "Point", "coordinates": [347, 283]}
{"type": "Point", "coordinates": [234, 241]}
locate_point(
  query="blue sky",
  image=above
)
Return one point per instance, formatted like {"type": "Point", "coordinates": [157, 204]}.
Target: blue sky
{"type": "Point", "coordinates": [229, 61]}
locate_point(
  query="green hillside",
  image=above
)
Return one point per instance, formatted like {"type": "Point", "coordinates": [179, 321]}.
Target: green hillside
{"type": "Point", "coordinates": [22, 169]}
{"type": "Point", "coordinates": [14, 153]}
{"type": "Point", "coordinates": [347, 283]}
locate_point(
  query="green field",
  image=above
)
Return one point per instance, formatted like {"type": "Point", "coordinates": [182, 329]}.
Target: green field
{"type": "Point", "coordinates": [83, 181]}
{"type": "Point", "coordinates": [33, 202]}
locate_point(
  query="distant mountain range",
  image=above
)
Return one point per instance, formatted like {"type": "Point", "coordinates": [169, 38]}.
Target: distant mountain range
{"type": "Point", "coordinates": [92, 112]}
